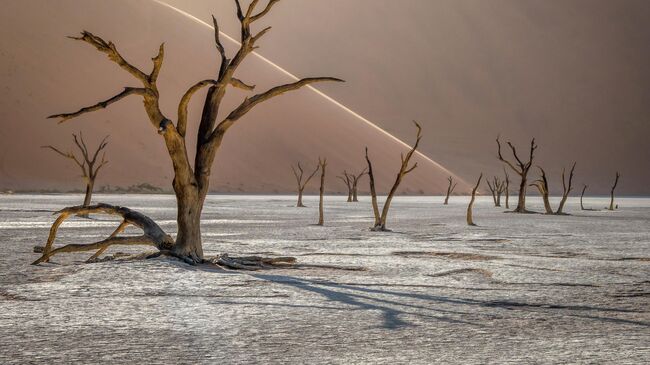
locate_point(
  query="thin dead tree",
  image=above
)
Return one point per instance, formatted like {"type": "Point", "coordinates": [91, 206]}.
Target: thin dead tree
{"type": "Point", "coordinates": [302, 184]}
{"type": "Point", "coordinates": [521, 168]}
{"type": "Point", "coordinates": [321, 165]}
{"type": "Point", "coordinates": [611, 201]}
{"type": "Point", "coordinates": [567, 186]}
{"type": "Point", "coordinates": [346, 178]}
{"type": "Point", "coordinates": [191, 181]}
{"type": "Point", "coordinates": [542, 186]}
{"type": "Point", "coordinates": [88, 162]}
{"type": "Point", "coordinates": [355, 182]}
{"type": "Point", "coordinates": [470, 220]}
{"type": "Point", "coordinates": [380, 219]}
{"type": "Point", "coordinates": [507, 188]}
{"type": "Point", "coordinates": [450, 189]}
{"type": "Point", "coordinates": [496, 188]}
{"type": "Point", "coordinates": [582, 195]}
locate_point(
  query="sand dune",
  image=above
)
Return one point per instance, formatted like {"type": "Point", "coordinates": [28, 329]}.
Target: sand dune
{"type": "Point", "coordinates": [471, 70]}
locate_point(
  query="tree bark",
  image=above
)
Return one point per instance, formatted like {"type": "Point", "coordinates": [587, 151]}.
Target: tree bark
{"type": "Point", "coordinates": [611, 201]}
{"type": "Point", "coordinates": [89, 192]}
{"type": "Point", "coordinates": [470, 219]}
{"type": "Point", "coordinates": [300, 204]}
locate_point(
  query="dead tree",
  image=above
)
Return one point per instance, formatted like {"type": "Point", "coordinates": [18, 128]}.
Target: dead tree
{"type": "Point", "coordinates": [582, 195]}
{"type": "Point", "coordinates": [470, 220]}
{"type": "Point", "coordinates": [380, 219]}
{"type": "Point", "coordinates": [301, 185]}
{"type": "Point", "coordinates": [450, 189]}
{"type": "Point", "coordinates": [611, 202]}
{"type": "Point", "coordinates": [321, 165]}
{"type": "Point", "coordinates": [542, 186]}
{"type": "Point", "coordinates": [152, 235]}
{"type": "Point", "coordinates": [87, 162]}
{"type": "Point", "coordinates": [496, 188]}
{"type": "Point", "coordinates": [521, 168]}
{"type": "Point", "coordinates": [355, 182]}
{"type": "Point", "coordinates": [191, 181]}
{"type": "Point", "coordinates": [346, 178]}
{"type": "Point", "coordinates": [507, 188]}
{"type": "Point", "coordinates": [566, 189]}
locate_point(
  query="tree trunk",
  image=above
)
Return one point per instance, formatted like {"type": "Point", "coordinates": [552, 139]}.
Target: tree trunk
{"type": "Point", "coordinates": [521, 204]}
{"type": "Point", "coordinates": [188, 239]}
{"type": "Point", "coordinates": [300, 205]}
{"type": "Point", "coordinates": [355, 197]}
{"type": "Point", "coordinates": [611, 202]}
{"type": "Point", "coordinates": [470, 220]}
{"type": "Point", "coordinates": [498, 200]}
{"type": "Point", "coordinates": [89, 192]}
{"type": "Point", "coordinates": [349, 196]}
{"type": "Point", "coordinates": [321, 219]}
{"type": "Point", "coordinates": [582, 207]}
{"type": "Point", "coordinates": [507, 197]}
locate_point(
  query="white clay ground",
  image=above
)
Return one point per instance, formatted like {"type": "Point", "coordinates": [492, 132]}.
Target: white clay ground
{"type": "Point", "coordinates": [517, 289]}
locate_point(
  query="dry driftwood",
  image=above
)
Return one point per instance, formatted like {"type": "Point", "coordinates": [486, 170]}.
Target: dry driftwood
{"type": "Point", "coordinates": [152, 235]}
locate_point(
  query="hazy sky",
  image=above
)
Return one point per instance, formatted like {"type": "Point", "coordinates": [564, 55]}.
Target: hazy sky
{"type": "Point", "coordinates": [573, 74]}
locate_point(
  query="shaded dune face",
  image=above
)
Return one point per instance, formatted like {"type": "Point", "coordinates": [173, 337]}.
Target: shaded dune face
{"type": "Point", "coordinates": [46, 73]}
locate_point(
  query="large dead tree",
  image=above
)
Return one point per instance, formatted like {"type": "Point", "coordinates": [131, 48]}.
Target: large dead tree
{"type": "Point", "coordinates": [611, 201]}
{"type": "Point", "coordinates": [521, 168]}
{"type": "Point", "coordinates": [507, 187]}
{"type": "Point", "coordinates": [380, 219]}
{"type": "Point", "coordinates": [497, 186]}
{"type": "Point", "coordinates": [87, 162]}
{"type": "Point", "coordinates": [450, 189]}
{"type": "Point", "coordinates": [191, 181]}
{"type": "Point", "coordinates": [347, 180]}
{"type": "Point", "coordinates": [567, 186]}
{"type": "Point", "coordinates": [542, 186]}
{"type": "Point", "coordinates": [470, 218]}
{"type": "Point", "coordinates": [355, 184]}
{"type": "Point", "coordinates": [582, 195]}
{"type": "Point", "coordinates": [321, 165]}
{"type": "Point", "coordinates": [299, 174]}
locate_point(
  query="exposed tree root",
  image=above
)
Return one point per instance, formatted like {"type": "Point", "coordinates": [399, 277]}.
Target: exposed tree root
{"type": "Point", "coordinates": [152, 235]}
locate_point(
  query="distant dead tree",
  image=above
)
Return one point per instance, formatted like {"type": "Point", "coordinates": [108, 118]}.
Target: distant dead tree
{"type": "Point", "coordinates": [566, 189]}
{"type": "Point", "coordinates": [301, 185]}
{"type": "Point", "coordinates": [542, 186]}
{"type": "Point", "coordinates": [191, 181]}
{"type": "Point", "coordinates": [380, 219]}
{"type": "Point", "coordinates": [321, 165]}
{"type": "Point", "coordinates": [496, 188]}
{"type": "Point", "coordinates": [521, 168]}
{"type": "Point", "coordinates": [470, 220]}
{"type": "Point", "coordinates": [346, 178]}
{"type": "Point", "coordinates": [582, 195]}
{"type": "Point", "coordinates": [355, 182]}
{"type": "Point", "coordinates": [87, 162]}
{"type": "Point", "coordinates": [611, 202]}
{"type": "Point", "coordinates": [507, 191]}
{"type": "Point", "coordinates": [450, 189]}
